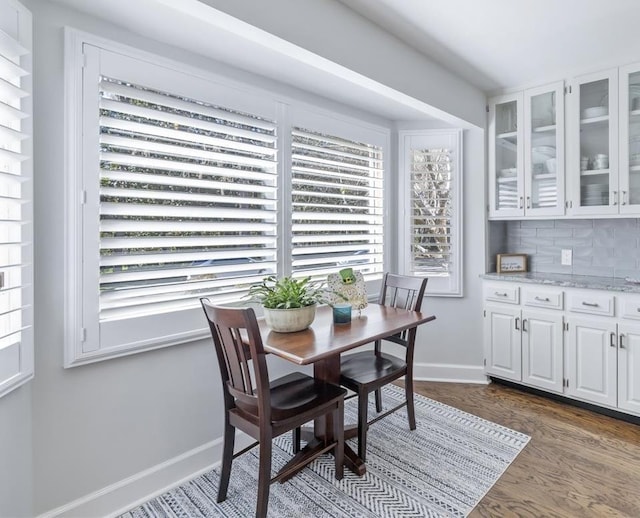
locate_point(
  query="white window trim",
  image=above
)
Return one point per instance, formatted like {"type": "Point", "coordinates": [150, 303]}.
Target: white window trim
{"type": "Point", "coordinates": [451, 286]}
{"type": "Point", "coordinates": [21, 355]}
{"type": "Point", "coordinates": [73, 301]}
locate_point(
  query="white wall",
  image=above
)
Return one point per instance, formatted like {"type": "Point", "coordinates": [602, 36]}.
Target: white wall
{"type": "Point", "coordinates": [337, 33]}
{"type": "Point", "coordinates": [98, 424]}
{"type": "Point", "coordinates": [15, 453]}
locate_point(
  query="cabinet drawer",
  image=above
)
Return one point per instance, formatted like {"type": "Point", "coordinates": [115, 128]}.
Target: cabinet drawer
{"type": "Point", "coordinates": [543, 298]}
{"type": "Point", "coordinates": [593, 303]}
{"type": "Point", "coordinates": [502, 293]}
{"type": "Point", "coordinates": [630, 307]}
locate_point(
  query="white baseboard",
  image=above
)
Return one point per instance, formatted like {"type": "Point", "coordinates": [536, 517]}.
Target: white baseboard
{"type": "Point", "coordinates": [132, 491]}
{"type": "Point", "coordinates": [449, 373]}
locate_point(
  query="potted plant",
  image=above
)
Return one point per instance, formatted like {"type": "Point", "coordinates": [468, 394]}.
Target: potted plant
{"type": "Point", "coordinates": [289, 304]}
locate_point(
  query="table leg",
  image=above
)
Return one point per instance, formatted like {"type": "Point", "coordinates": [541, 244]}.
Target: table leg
{"type": "Point", "coordinates": [328, 370]}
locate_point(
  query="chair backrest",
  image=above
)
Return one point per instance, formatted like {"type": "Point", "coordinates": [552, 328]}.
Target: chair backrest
{"type": "Point", "coordinates": [241, 357]}
{"type": "Point", "coordinates": [403, 291]}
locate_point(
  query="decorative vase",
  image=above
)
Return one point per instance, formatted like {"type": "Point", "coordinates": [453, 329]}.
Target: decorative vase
{"type": "Point", "coordinates": [289, 320]}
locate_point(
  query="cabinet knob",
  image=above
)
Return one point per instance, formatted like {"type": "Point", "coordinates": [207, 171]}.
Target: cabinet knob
{"type": "Point", "coordinates": [624, 198]}
{"type": "Point", "coordinates": [612, 342]}
{"type": "Point", "coordinates": [590, 304]}
{"type": "Point", "coordinates": [620, 344]}
{"type": "Point", "coordinates": [542, 299]}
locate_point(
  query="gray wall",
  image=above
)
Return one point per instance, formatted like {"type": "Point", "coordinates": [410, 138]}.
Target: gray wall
{"type": "Point", "coordinates": [15, 454]}
{"type": "Point", "coordinates": [98, 424]}
{"type": "Point", "coordinates": [602, 247]}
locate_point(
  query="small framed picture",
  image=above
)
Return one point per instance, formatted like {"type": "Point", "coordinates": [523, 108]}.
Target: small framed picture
{"type": "Point", "coordinates": [511, 263]}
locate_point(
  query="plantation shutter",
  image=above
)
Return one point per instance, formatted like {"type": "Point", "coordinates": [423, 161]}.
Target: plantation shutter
{"type": "Point", "coordinates": [187, 200]}
{"type": "Point", "coordinates": [16, 269]}
{"type": "Point", "coordinates": [337, 205]}
{"type": "Point", "coordinates": [431, 211]}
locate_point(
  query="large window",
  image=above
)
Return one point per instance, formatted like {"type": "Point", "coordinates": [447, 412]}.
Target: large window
{"type": "Point", "coordinates": [16, 208]}
{"type": "Point", "coordinates": [189, 186]}
{"type": "Point", "coordinates": [431, 227]}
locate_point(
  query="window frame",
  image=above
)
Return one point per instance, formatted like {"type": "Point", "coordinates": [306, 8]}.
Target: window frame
{"type": "Point", "coordinates": [17, 360]}
{"type": "Point", "coordinates": [76, 328]}
{"type": "Point", "coordinates": [442, 286]}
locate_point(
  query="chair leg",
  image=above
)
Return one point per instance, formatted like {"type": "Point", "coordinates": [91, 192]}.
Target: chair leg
{"type": "Point", "coordinates": [295, 439]}
{"type": "Point", "coordinates": [338, 434]}
{"type": "Point", "coordinates": [227, 459]}
{"type": "Point", "coordinates": [264, 475]}
{"type": "Point", "coordinates": [379, 400]}
{"type": "Point", "coordinates": [363, 401]}
{"type": "Point", "coordinates": [411, 412]}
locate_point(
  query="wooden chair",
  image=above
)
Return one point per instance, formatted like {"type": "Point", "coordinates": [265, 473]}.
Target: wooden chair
{"type": "Point", "coordinates": [266, 410]}
{"type": "Point", "coordinates": [368, 371]}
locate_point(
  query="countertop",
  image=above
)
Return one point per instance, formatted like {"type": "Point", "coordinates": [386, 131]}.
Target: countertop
{"type": "Point", "coordinates": [568, 281]}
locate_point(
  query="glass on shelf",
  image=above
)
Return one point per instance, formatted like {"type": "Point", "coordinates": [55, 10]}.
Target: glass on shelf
{"type": "Point", "coordinates": [594, 100]}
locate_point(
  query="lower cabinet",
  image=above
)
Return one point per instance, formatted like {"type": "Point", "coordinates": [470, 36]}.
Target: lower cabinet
{"type": "Point", "coordinates": [589, 351]}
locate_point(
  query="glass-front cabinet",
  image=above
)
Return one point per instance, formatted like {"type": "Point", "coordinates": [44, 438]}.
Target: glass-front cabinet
{"type": "Point", "coordinates": [544, 150]}
{"type": "Point", "coordinates": [630, 139]}
{"type": "Point", "coordinates": [526, 153]}
{"type": "Point", "coordinates": [592, 168]}
{"type": "Point", "coordinates": [506, 173]}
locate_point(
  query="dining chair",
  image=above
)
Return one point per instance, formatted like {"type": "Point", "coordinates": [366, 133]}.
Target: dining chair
{"type": "Point", "coordinates": [264, 409]}
{"type": "Point", "coordinates": [368, 371]}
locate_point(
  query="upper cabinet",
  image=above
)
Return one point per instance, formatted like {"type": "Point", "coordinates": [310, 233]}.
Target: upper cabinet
{"type": "Point", "coordinates": [592, 167]}
{"type": "Point", "coordinates": [526, 153]}
{"type": "Point", "coordinates": [630, 139]}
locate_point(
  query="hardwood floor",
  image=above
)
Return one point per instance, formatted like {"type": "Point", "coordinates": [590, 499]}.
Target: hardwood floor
{"type": "Point", "coordinates": [577, 464]}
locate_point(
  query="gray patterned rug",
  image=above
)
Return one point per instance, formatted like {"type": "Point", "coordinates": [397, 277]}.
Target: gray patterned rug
{"type": "Point", "coordinates": [443, 468]}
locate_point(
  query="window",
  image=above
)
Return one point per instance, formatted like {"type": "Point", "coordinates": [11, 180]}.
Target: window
{"type": "Point", "coordinates": [337, 204]}
{"type": "Point", "coordinates": [431, 170]}
{"type": "Point", "coordinates": [16, 269]}
{"type": "Point", "coordinates": [182, 192]}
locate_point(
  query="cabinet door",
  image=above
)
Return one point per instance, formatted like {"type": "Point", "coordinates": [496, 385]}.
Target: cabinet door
{"type": "Point", "coordinates": [629, 367]}
{"type": "Point", "coordinates": [542, 349]}
{"type": "Point", "coordinates": [544, 150]}
{"type": "Point", "coordinates": [630, 139]}
{"type": "Point", "coordinates": [503, 342]}
{"type": "Point", "coordinates": [506, 187]}
{"type": "Point", "coordinates": [592, 168]}
{"type": "Point", "coordinates": [591, 359]}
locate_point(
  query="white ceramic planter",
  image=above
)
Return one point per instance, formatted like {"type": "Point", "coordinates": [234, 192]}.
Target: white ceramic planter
{"type": "Point", "coordinates": [289, 320]}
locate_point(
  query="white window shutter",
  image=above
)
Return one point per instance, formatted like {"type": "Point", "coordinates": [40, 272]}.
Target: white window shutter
{"type": "Point", "coordinates": [337, 205]}
{"type": "Point", "coordinates": [16, 248]}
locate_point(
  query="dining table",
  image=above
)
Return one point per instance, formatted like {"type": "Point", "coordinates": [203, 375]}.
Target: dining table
{"type": "Point", "coordinates": [322, 344]}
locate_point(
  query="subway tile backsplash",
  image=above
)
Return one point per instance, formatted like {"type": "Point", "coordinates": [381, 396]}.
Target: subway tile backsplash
{"type": "Point", "coordinates": [602, 247]}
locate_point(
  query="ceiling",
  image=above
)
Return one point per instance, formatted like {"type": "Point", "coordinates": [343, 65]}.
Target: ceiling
{"type": "Point", "coordinates": [498, 44]}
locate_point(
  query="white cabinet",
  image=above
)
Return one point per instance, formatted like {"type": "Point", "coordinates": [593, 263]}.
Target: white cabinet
{"type": "Point", "coordinates": [542, 337]}
{"type": "Point", "coordinates": [629, 367]}
{"type": "Point", "coordinates": [630, 139]}
{"type": "Point", "coordinates": [522, 344]}
{"type": "Point", "coordinates": [592, 360]}
{"type": "Point", "coordinates": [592, 167]}
{"type": "Point", "coordinates": [503, 342]}
{"type": "Point", "coordinates": [526, 153]}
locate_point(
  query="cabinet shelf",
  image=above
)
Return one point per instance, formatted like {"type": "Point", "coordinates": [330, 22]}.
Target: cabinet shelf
{"type": "Point", "coordinates": [545, 129]}
{"type": "Point", "coordinates": [595, 121]}
{"type": "Point", "coordinates": [544, 176]}
{"type": "Point", "coordinates": [511, 136]}
{"type": "Point", "coordinates": [594, 172]}
{"type": "Point", "coordinates": [634, 168]}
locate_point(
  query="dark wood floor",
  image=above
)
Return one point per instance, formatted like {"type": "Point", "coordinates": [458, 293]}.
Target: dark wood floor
{"type": "Point", "coordinates": [578, 463]}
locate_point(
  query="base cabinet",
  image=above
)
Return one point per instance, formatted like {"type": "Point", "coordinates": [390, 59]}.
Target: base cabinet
{"type": "Point", "coordinates": [592, 361]}
{"type": "Point", "coordinates": [588, 350]}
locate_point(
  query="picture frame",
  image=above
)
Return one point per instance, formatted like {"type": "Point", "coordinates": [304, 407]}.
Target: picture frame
{"type": "Point", "coordinates": [511, 263]}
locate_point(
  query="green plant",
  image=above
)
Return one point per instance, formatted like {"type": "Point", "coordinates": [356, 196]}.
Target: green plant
{"type": "Point", "coordinates": [286, 293]}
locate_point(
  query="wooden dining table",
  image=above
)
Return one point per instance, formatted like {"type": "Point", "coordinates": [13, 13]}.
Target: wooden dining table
{"type": "Point", "coordinates": [323, 343]}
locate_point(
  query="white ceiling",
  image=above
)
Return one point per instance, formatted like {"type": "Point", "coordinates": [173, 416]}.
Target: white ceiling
{"type": "Point", "coordinates": [496, 44]}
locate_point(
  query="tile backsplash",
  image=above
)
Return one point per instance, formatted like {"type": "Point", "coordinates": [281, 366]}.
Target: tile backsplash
{"type": "Point", "coordinates": [602, 247]}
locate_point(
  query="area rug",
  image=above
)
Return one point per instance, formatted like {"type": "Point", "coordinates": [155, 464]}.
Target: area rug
{"type": "Point", "coordinates": [443, 468]}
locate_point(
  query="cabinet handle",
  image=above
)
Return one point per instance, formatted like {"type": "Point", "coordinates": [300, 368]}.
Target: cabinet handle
{"type": "Point", "coordinates": [590, 304]}
{"type": "Point", "coordinates": [624, 198]}
{"type": "Point", "coordinates": [528, 202]}
{"type": "Point", "coordinates": [620, 344]}
{"type": "Point", "coordinates": [524, 325]}
{"type": "Point", "coordinates": [517, 323]}
{"type": "Point", "coordinates": [521, 201]}
{"type": "Point", "coordinates": [615, 197]}
{"type": "Point", "coordinates": [504, 294]}
{"type": "Point", "coordinates": [612, 341]}
{"type": "Point", "coordinates": [545, 299]}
